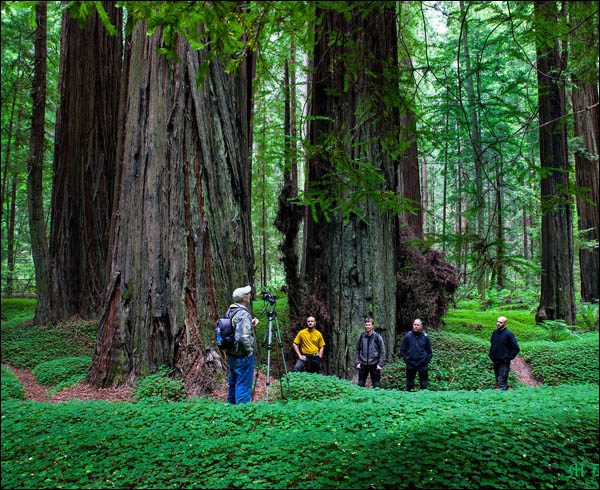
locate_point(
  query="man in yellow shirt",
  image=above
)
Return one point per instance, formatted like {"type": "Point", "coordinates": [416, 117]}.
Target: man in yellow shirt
{"type": "Point", "coordinates": [308, 345]}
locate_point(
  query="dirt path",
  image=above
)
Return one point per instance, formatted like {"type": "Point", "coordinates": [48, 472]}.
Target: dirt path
{"type": "Point", "coordinates": [523, 372]}
{"type": "Point", "coordinates": [82, 391]}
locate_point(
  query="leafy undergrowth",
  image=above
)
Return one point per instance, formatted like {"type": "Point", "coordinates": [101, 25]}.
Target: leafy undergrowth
{"type": "Point", "coordinates": [18, 310]}
{"type": "Point", "coordinates": [53, 372]}
{"type": "Point", "coordinates": [11, 388]}
{"type": "Point", "coordinates": [570, 362]}
{"type": "Point", "coordinates": [460, 362]}
{"type": "Point", "coordinates": [482, 323]}
{"type": "Point", "coordinates": [371, 438]}
{"type": "Point", "coordinates": [158, 387]}
{"type": "Point", "coordinates": [25, 346]}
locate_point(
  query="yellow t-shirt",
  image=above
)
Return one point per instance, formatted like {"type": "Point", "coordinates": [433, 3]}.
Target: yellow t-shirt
{"type": "Point", "coordinates": [309, 342]}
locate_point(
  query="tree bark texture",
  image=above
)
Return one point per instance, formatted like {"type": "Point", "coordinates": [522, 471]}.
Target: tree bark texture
{"type": "Point", "coordinates": [557, 283]}
{"type": "Point", "coordinates": [349, 262]}
{"type": "Point", "coordinates": [408, 183]}
{"type": "Point", "coordinates": [289, 215]}
{"type": "Point", "coordinates": [84, 163]}
{"type": "Point", "coordinates": [35, 198]}
{"type": "Point", "coordinates": [587, 129]}
{"type": "Point", "coordinates": [183, 236]}
{"type": "Point", "coordinates": [585, 105]}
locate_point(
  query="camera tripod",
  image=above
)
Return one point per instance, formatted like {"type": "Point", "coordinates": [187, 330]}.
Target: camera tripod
{"type": "Point", "coordinates": [268, 341]}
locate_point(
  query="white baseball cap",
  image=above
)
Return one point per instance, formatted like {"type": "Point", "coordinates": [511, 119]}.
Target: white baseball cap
{"type": "Point", "coordinates": [239, 293]}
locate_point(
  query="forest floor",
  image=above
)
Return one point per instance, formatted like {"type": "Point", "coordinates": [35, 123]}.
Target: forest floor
{"type": "Point", "coordinates": [83, 391]}
{"type": "Point", "coordinates": [523, 372]}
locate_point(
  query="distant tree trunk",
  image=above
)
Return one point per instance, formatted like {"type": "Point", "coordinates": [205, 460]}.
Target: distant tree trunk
{"type": "Point", "coordinates": [425, 194]}
{"type": "Point", "coordinates": [408, 182]}
{"type": "Point", "coordinates": [289, 215]}
{"type": "Point", "coordinates": [12, 212]}
{"type": "Point", "coordinates": [265, 279]}
{"type": "Point", "coordinates": [9, 135]}
{"type": "Point", "coordinates": [585, 107]}
{"type": "Point", "coordinates": [500, 281]}
{"type": "Point", "coordinates": [10, 236]}
{"type": "Point", "coordinates": [87, 127]}
{"type": "Point", "coordinates": [183, 238]}
{"type": "Point", "coordinates": [35, 198]}
{"type": "Point", "coordinates": [557, 285]}
{"type": "Point", "coordinates": [445, 195]}
{"type": "Point", "coordinates": [348, 262]}
{"type": "Point", "coordinates": [476, 144]}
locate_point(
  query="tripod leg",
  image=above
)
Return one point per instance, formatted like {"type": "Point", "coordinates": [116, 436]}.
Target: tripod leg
{"type": "Point", "coordinates": [278, 337]}
{"type": "Point", "coordinates": [269, 358]}
{"type": "Point", "coordinates": [257, 367]}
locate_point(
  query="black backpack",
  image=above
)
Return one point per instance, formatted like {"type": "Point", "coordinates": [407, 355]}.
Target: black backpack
{"type": "Point", "coordinates": [225, 329]}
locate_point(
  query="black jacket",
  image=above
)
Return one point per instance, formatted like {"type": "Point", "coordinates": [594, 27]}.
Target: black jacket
{"type": "Point", "coordinates": [503, 346]}
{"type": "Point", "coordinates": [416, 350]}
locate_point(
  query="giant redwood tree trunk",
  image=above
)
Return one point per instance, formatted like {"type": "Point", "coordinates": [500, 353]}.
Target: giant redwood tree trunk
{"type": "Point", "coordinates": [349, 263]}
{"type": "Point", "coordinates": [84, 163]}
{"type": "Point", "coordinates": [557, 285]}
{"type": "Point", "coordinates": [587, 128]}
{"type": "Point", "coordinates": [585, 105]}
{"type": "Point", "coordinates": [183, 238]}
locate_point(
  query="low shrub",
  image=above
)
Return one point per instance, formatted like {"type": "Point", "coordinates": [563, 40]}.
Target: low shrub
{"type": "Point", "coordinates": [587, 316]}
{"type": "Point", "coordinates": [26, 346]}
{"type": "Point", "coordinates": [529, 438]}
{"type": "Point", "coordinates": [313, 386]}
{"type": "Point", "coordinates": [18, 310]}
{"type": "Point", "coordinates": [482, 323]}
{"type": "Point", "coordinates": [459, 362]}
{"type": "Point", "coordinates": [12, 389]}
{"type": "Point", "coordinates": [159, 387]}
{"type": "Point", "coordinates": [51, 373]}
{"type": "Point", "coordinates": [572, 362]}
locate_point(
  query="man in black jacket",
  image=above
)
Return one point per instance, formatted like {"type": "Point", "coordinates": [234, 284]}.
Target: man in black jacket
{"type": "Point", "coordinates": [416, 352]}
{"type": "Point", "coordinates": [503, 349]}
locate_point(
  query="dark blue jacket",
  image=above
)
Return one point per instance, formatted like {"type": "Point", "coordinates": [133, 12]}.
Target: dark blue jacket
{"type": "Point", "coordinates": [503, 346]}
{"type": "Point", "coordinates": [416, 350]}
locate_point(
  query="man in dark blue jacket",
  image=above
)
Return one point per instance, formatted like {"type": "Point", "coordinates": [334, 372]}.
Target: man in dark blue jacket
{"type": "Point", "coordinates": [416, 352]}
{"type": "Point", "coordinates": [503, 349]}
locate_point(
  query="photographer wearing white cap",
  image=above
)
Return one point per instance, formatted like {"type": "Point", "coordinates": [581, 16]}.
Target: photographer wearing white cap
{"type": "Point", "coordinates": [240, 357]}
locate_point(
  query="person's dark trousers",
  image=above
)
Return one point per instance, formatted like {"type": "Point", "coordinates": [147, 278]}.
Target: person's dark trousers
{"type": "Point", "coordinates": [311, 365]}
{"type": "Point", "coordinates": [364, 372]}
{"type": "Point", "coordinates": [501, 370]}
{"type": "Point", "coordinates": [410, 378]}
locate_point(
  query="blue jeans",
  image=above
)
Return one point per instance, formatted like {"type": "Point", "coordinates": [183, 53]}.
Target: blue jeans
{"type": "Point", "coordinates": [241, 370]}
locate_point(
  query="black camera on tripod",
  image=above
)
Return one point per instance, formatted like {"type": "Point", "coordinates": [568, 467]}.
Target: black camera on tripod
{"type": "Point", "coordinates": [266, 296]}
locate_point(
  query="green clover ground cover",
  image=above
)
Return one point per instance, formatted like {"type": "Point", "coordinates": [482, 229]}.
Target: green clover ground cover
{"type": "Point", "coordinates": [460, 362]}
{"type": "Point", "coordinates": [328, 434]}
{"type": "Point", "coordinates": [388, 439]}
{"type": "Point", "coordinates": [570, 362]}
{"type": "Point", "coordinates": [11, 388]}
{"type": "Point", "coordinates": [482, 323]}
{"type": "Point", "coordinates": [25, 346]}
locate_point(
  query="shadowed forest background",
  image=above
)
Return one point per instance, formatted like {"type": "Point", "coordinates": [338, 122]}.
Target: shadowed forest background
{"type": "Point", "coordinates": [358, 159]}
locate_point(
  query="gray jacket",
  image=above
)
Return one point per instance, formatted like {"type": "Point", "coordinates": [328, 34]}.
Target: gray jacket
{"type": "Point", "coordinates": [370, 352]}
{"type": "Point", "coordinates": [244, 335]}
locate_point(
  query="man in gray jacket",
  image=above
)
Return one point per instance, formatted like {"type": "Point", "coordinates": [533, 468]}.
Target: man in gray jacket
{"type": "Point", "coordinates": [240, 357]}
{"type": "Point", "coordinates": [369, 355]}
